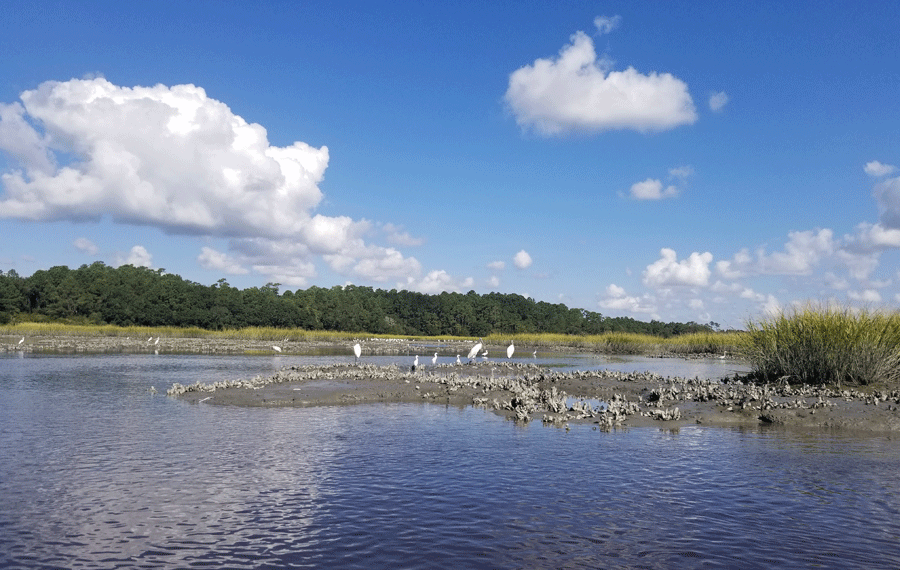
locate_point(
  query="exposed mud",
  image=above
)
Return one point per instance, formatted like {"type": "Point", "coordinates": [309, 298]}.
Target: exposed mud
{"type": "Point", "coordinates": [523, 392]}
{"type": "Point", "coordinates": [526, 392]}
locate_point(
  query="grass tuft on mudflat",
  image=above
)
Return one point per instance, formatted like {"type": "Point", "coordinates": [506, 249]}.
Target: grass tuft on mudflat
{"type": "Point", "coordinates": [826, 345]}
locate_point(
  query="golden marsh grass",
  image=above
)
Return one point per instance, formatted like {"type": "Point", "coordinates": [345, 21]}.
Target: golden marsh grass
{"type": "Point", "coordinates": [826, 345]}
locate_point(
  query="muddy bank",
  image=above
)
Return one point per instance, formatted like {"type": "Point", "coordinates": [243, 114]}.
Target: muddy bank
{"type": "Point", "coordinates": [526, 392]}
{"type": "Point", "coordinates": [521, 391]}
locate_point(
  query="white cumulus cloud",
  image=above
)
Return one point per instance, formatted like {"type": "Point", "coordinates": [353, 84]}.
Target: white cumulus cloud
{"type": "Point", "coordinates": [652, 189]}
{"type": "Point", "coordinates": [668, 271]}
{"type": "Point", "coordinates": [577, 92]}
{"type": "Point", "coordinates": [138, 256]}
{"type": "Point", "coordinates": [174, 158]}
{"type": "Point", "coordinates": [878, 169]}
{"type": "Point", "coordinates": [655, 189]}
{"type": "Point", "coordinates": [803, 252]}
{"type": "Point", "coordinates": [865, 296]}
{"type": "Point", "coordinates": [887, 195]}
{"type": "Point", "coordinates": [522, 260]}
{"type": "Point", "coordinates": [218, 261]}
{"type": "Point", "coordinates": [437, 281]}
{"type": "Point", "coordinates": [616, 299]}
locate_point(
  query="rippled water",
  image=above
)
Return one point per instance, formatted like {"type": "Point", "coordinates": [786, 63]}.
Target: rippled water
{"type": "Point", "coordinates": [96, 472]}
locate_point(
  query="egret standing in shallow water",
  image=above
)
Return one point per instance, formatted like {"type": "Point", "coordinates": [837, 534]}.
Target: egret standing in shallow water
{"type": "Point", "coordinates": [22, 340]}
{"type": "Point", "coordinates": [275, 348]}
{"type": "Point", "coordinates": [510, 350]}
{"type": "Point", "coordinates": [474, 352]}
{"type": "Point", "coordinates": [357, 350]}
{"type": "Point", "coordinates": [415, 363]}
{"type": "Point", "coordinates": [434, 360]}
{"type": "Point", "coordinates": [457, 359]}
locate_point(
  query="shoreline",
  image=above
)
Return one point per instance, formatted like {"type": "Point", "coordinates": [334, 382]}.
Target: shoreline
{"type": "Point", "coordinates": [523, 392]}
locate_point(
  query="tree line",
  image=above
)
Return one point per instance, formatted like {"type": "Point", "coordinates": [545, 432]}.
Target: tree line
{"type": "Point", "coordinates": [139, 296]}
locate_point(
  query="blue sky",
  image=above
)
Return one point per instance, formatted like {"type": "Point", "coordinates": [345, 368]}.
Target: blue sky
{"type": "Point", "coordinates": [675, 161]}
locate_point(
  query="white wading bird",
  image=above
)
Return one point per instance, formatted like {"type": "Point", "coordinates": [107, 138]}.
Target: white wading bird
{"type": "Point", "coordinates": [357, 350]}
{"type": "Point", "coordinates": [22, 340]}
{"type": "Point", "coordinates": [510, 350]}
{"type": "Point", "coordinates": [475, 349]}
{"type": "Point", "coordinates": [434, 360]}
{"type": "Point", "coordinates": [276, 348]}
{"type": "Point", "coordinates": [415, 363]}
{"type": "Point", "coordinates": [457, 359]}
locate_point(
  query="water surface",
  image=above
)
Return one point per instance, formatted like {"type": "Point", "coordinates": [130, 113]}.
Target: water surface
{"type": "Point", "coordinates": [97, 472]}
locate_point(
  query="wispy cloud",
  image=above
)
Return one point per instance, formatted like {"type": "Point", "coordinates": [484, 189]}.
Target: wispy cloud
{"type": "Point", "coordinates": [717, 101]}
{"type": "Point", "coordinates": [87, 246]}
{"type": "Point", "coordinates": [606, 24]}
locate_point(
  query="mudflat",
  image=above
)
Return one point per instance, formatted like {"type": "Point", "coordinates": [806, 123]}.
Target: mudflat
{"type": "Point", "coordinates": [526, 392]}
{"type": "Point", "coordinates": [523, 392]}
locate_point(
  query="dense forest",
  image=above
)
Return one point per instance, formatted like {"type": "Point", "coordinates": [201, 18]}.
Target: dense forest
{"type": "Point", "coordinates": [138, 296]}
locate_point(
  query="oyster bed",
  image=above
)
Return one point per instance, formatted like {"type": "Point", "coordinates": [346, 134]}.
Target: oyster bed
{"type": "Point", "coordinates": [527, 392]}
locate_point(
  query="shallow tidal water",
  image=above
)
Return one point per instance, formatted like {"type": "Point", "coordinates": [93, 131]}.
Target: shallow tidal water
{"type": "Point", "coordinates": [95, 472]}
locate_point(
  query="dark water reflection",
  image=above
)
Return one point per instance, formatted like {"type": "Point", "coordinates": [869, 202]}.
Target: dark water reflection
{"type": "Point", "coordinates": [96, 472]}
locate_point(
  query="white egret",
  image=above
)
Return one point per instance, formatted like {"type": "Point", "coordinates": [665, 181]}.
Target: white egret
{"type": "Point", "coordinates": [22, 340]}
{"type": "Point", "coordinates": [357, 350]}
{"type": "Point", "coordinates": [157, 341]}
{"type": "Point", "coordinates": [534, 354]}
{"type": "Point", "coordinates": [510, 350]}
{"type": "Point", "coordinates": [475, 350]}
{"type": "Point", "coordinates": [415, 363]}
{"type": "Point", "coordinates": [457, 359]}
{"type": "Point", "coordinates": [276, 348]}
{"type": "Point", "coordinates": [434, 360]}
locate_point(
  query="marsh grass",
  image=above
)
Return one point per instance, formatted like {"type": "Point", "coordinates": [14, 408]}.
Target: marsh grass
{"type": "Point", "coordinates": [825, 344]}
{"type": "Point", "coordinates": [607, 343]}
{"type": "Point", "coordinates": [247, 334]}
{"type": "Point", "coordinates": [630, 343]}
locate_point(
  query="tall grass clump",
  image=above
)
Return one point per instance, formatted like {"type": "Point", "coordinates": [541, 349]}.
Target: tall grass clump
{"type": "Point", "coordinates": [825, 344]}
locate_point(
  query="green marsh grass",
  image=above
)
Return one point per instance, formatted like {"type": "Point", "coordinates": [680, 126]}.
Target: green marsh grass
{"type": "Point", "coordinates": [607, 343]}
{"type": "Point", "coordinates": [826, 345]}
{"type": "Point", "coordinates": [629, 343]}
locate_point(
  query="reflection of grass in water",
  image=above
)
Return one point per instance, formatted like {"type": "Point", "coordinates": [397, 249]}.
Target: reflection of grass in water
{"type": "Point", "coordinates": [826, 344]}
